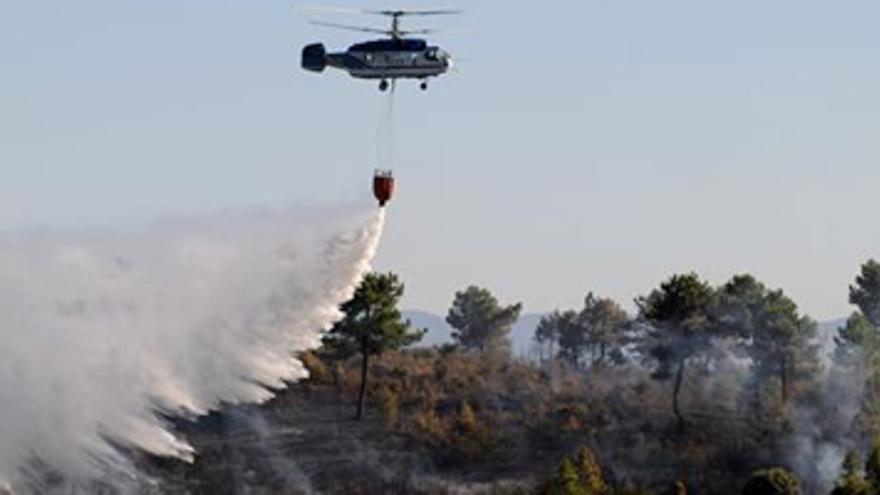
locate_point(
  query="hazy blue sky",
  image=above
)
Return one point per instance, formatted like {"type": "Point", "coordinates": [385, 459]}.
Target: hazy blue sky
{"type": "Point", "coordinates": [585, 144]}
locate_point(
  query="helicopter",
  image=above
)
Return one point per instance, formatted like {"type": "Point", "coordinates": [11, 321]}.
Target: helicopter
{"type": "Point", "coordinates": [396, 57]}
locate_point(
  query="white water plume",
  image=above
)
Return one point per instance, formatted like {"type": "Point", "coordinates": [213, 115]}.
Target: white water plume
{"type": "Point", "coordinates": [102, 334]}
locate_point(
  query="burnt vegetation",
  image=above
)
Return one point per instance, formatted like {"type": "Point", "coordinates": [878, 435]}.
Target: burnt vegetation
{"type": "Point", "coordinates": [705, 389]}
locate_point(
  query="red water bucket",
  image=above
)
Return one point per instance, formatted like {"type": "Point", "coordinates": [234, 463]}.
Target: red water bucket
{"type": "Point", "coordinates": [383, 186]}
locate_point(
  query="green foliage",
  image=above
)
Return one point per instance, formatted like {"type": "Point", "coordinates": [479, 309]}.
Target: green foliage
{"type": "Point", "coordinates": [858, 342]}
{"type": "Point", "coordinates": [865, 294]}
{"type": "Point", "coordinates": [372, 323]}
{"type": "Point", "coordinates": [572, 337]}
{"type": "Point", "coordinates": [547, 332]}
{"type": "Point", "coordinates": [784, 341]}
{"type": "Point", "coordinates": [774, 481]}
{"type": "Point", "coordinates": [850, 467]}
{"type": "Point", "coordinates": [856, 334]}
{"type": "Point", "coordinates": [578, 475]}
{"type": "Point", "coordinates": [605, 322]}
{"type": "Point", "coordinates": [780, 342]}
{"type": "Point", "coordinates": [851, 481]}
{"type": "Point", "coordinates": [564, 329]}
{"type": "Point", "coordinates": [596, 331]}
{"type": "Point", "coordinates": [589, 472]}
{"type": "Point", "coordinates": [480, 322]}
{"type": "Point", "coordinates": [678, 314]}
{"type": "Point", "coordinates": [862, 327]}
{"type": "Point", "coordinates": [738, 306]}
{"type": "Point", "coordinates": [680, 304]}
{"type": "Point", "coordinates": [685, 315]}
{"type": "Point", "coordinates": [565, 481]}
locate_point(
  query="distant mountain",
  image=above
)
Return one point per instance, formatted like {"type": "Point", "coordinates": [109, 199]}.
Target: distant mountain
{"type": "Point", "coordinates": [523, 332]}
{"type": "Point", "coordinates": [439, 332]}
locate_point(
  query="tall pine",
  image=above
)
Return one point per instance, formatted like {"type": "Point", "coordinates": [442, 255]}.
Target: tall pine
{"type": "Point", "coordinates": [372, 325]}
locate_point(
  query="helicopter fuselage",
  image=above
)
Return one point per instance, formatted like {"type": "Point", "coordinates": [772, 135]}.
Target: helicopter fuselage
{"type": "Point", "coordinates": [382, 59]}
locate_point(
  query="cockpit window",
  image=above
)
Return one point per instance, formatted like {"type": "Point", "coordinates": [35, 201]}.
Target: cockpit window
{"type": "Point", "coordinates": [405, 45]}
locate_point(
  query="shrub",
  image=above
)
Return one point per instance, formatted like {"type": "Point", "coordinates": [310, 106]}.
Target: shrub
{"type": "Point", "coordinates": [773, 481]}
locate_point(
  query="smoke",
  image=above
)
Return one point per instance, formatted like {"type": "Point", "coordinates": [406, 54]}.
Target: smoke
{"type": "Point", "coordinates": [823, 429]}
{"type": "Point", "coordinates": [103, 335]}
{"type": "Point", "coordinates": [271, 455]}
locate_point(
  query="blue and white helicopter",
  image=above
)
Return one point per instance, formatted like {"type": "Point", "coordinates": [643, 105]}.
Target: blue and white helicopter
{"type": "Point", "coordinates": [396, 57]}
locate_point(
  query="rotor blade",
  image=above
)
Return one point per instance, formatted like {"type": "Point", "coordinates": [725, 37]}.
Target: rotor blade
{"type": "Point", "coordinates": [325, 8]}
{"type": "Point", "coordinates": [413, 12]}
{"type": "Point", "coordinates": [407, 32]}
{"type": "Point", "coordinates": [391, 13]}
{"type": "Point", "coordinates": [439, 30]}
{"type": "Point", "coordinates": [351, 28]}
{"type": "Point", "coordinates": [432, 12]}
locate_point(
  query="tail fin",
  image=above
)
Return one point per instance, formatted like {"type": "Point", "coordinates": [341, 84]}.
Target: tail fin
{"type": "Point", "coordinates": [314, 58]}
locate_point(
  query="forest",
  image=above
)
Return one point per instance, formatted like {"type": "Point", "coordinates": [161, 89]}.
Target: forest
{"type": "Point", "coordinates": [705, 389]}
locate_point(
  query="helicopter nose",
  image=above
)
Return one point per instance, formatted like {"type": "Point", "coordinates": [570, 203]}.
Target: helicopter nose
{"type": "Point", "coordinates": [450, 63]}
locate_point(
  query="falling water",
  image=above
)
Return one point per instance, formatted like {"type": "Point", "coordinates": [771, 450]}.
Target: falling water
{"type": "Point", "coordinates": [105, 333]}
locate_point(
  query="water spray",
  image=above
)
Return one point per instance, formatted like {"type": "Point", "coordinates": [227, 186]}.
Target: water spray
{"type": "Point", "coordinates": [105, 335]}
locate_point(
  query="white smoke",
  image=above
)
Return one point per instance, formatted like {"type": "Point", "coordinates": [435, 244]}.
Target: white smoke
{"type": "Point", "coordinates": [102, 334]}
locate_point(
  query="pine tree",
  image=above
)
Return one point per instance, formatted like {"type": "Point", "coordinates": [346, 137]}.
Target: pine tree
{"type": "Point", "coordinates": [372, 325]}
{"type": "Point", "coordinates": [851, 481]}
{"type": "Point", "coordinates": [678, 315]}
{"type": "Point", "coordinates": [766, 323]}
{"type": "Point", "coordinates": [858, 342]}
{"type": "Point", "coordinates": [589, 473]}
{"type": "Point", "coordinates": [547, 333]}
{"type": "Point", "coordinates": [865, 294]}
{"type": "Point", "coordinates": [480, 322]}
{"type": "Point", "coordinates": [604, 323]}
{"type": "Point", "coordinates": [566, 481]}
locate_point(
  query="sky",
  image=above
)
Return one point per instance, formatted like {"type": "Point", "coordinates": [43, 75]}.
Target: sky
{"type": "Point", "coordinates": [583, 145]}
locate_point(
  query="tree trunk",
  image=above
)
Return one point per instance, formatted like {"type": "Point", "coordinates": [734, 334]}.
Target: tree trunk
{"type": "Point", "coordinates": [362, 396]}
{"type": "Point", "coordinates": [783, 376]}
{"type": "Point", "coordinates": [679, 375]}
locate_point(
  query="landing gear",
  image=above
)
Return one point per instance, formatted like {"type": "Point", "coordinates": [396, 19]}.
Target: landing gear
{"type": "Point", "coordinates": [383, 85]}
{"type": "Point", "coordinates": [424, 85]}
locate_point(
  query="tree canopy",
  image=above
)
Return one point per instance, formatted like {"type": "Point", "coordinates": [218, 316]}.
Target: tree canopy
{"type": "Point", "coordinates": [596, 331]}
{"type": "Point", "coordinates": [865, 294]}
{"type": "Point", "coordinates": [858, 341]}
{"type": "Point", "coordinates": [480, 322]}
{"type": "Point", "coordinates": [779, 340]}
